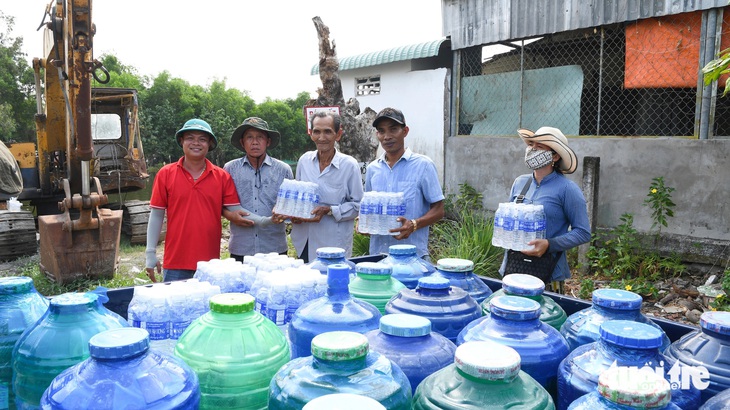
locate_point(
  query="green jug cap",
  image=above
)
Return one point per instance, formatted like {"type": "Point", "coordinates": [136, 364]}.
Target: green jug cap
{"type": "Point", "coordinates": [634, 387]}
{"type": "Point", "coordinates": [405, 325]}
{"type": "Point", "coordinates": [231, 303]}
{"type": "Point", "coordinates": [339, 346]}
{"type": "Point", "coordinates": [488, 360]}
{"type": "Point", "coordinates": [119, 343]}
{"type": "Point", "coordinates": [455, 265]}
{"type": "Point", "coordinates": [13, 285]}
{"type": "Point", "coordinates": [373, 268]}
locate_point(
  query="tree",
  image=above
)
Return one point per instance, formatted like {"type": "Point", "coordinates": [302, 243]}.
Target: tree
{"type": "Point", "coordinates": [17, 100]}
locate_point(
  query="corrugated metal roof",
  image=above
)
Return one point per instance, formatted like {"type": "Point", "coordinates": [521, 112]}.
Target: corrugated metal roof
{"type": "Point", "coordinates": [478, 22]}
{"type": "Point", "coordinates": [411, 52]}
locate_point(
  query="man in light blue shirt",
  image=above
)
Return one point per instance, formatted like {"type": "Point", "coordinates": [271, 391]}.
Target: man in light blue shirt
{"type": "Point", "coordinates": [401, 170]}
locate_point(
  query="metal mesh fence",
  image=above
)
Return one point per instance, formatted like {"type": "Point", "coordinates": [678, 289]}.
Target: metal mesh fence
{"type": "Point", "coordinates": [630, 79]}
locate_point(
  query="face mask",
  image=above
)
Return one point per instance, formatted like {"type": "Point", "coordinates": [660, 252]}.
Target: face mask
{"type": "Point", "coordinates": [537, 158]}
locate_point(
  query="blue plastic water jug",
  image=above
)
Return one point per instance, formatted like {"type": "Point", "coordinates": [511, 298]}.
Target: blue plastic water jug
{"type": "Point", "coordinates": [331, 255]}
{"type": "Point", "coordinates": [340, 363]}
{"type": "Point", "coordinates": [123, 373]}
{"type": "Point", "coordinates": [20, 307]}
{"type": "Point", "coordinates": [608, 304]}
{"type": "Point", "coordinates": [449, 308]}
{"type": "Point", "coordinates": [59, 340]}
{"type": "Point", "coordinates": [460, 272]}
{"type": "Point", "coordinates": [719, 402]}
{"type": "Point", "coordinates": [530, 287]}
{"type": "Point", "coordinates": [625, 389]}
{"type": "Point", "coordinates": [515, 322]}
{"type": "Point", "coordinates": [623, 343]}
{"type": "Point", "coordinates": [485, 376]}
{"type": "Point", "coordinates": [407, 341]}
{"type": "Point", "coordinates": [708, 347]}
{"type": "Point", "coordinates": [335, 311]}
{"type": "Point", "coordinates": [407, 266]}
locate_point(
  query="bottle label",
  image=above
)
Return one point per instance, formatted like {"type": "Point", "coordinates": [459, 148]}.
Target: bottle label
{"type": "Point", "coordinates": [157, 330]}
{"type": "Point", "coordinates": [177, 328]}
{"type": "Point", "coordinates": [277, 316]}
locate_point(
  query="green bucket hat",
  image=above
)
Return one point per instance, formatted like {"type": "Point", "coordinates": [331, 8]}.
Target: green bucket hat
{"type": "Point", "coordinates": [259, 124]}
{"type": "Point", "coordinates": [197, 125]}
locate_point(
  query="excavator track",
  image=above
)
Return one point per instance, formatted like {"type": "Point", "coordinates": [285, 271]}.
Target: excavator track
{"type": "Point", "coordinates": [17, 235]}
{"type": "Point", "coordinates": [134, 221]}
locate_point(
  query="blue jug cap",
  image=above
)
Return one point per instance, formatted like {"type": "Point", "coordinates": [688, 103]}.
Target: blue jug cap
{"type": "Point", "coordinates": [434, 282]}
{"type": "Point", "coordinates": [12, 285]}
{"type": "Point", "coordinates": [402, 249]}
{"type": "Point", "coordinates": [617, 299]}
{"type": "Point", "coordinates": [488, 360]}
{"type": "Point", "coordinates": [373, 268]}
{"type": "Point", "coordinates": [514, 308]}
{"type": "Point", "coordinates": [348, 401]}
{"type": "Point", "coordinates": [340, 346]}
{"type": "Point", "coordinates": [627, 333]}
{"type": "Point", "coordinates": [405, 325]}
{"type": "Point", "coordinates": [522, 285]}
{"type": "Point", "coordinates": [119, 343]}
{"type": "Point", "coordinates": [338, 275]}
{"type": "Point", "coordinates": [718, 322]}
{"type": "Point", "coordinates": [231, 303]}
{"type": "Point", "coordinates": [634, 387]}
{"type": "Point", "coordinates": [330, 252]}
{"type": "Point", "coordinates": [455, 265]}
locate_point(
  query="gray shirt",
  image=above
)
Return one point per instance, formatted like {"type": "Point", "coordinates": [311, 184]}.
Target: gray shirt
{"type": "Point", "coordinates": [340, 187]}
{"type": "Point", "coordinates": [257, 192]}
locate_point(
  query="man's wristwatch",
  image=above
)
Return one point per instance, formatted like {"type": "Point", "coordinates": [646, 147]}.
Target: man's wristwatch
{"type": "Point", "coordinates": [415, 225]}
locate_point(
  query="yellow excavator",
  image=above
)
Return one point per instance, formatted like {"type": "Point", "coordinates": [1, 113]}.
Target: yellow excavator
{"type": "Point", "coordinates": [88, 144]}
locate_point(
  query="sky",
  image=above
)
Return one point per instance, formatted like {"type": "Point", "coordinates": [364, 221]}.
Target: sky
{"type": "Point", "coordinates": [266, 47]}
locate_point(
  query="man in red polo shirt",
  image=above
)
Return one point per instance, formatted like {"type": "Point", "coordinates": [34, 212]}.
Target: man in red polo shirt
{"type": "Point", "coordinates": [193, 192]}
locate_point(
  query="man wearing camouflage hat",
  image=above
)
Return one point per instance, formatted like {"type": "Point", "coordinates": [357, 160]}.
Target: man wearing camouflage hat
{"type": "Point", "coordinates": [193, 192]}
{"type": "Point", "coordinates": [257, 176]}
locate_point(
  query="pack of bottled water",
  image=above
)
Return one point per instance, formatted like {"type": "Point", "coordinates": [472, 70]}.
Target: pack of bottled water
{"type": "Point", "coordinates": [166, 310]}
{"type": "Point", "coordinates": [229, 274]}
{"type": "Point", "coordinates": [379, 212]}
{"type": "Point", "coordinates": [297, 198]}
{"type": "Point", "coordinates": [516, 224]}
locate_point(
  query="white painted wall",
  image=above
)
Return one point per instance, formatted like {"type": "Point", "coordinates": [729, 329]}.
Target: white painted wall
{"type": "Point", "coordinates": [421, 95]}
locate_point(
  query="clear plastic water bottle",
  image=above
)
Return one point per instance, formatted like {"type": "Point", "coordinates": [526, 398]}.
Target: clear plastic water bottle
{"type": "Point", "coordinates": [366, 214]}
{"type": "Point", "coordinates": [508, 224]}
{"type": "Point", "coordinates": [395, 208]}
{"type": "Point", "coordinates": [276, 302]}
{"type": "Point", "coordinates": [540, 222]}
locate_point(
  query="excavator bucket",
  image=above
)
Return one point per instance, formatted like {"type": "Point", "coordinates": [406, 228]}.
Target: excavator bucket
{"type": "Point", "coordinates": [71, 254]}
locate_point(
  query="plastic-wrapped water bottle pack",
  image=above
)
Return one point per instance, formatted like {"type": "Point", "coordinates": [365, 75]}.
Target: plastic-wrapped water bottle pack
{"type": "Point", "coordinates": [297, 198]}
{"type": "Point", "coordinates": [379, 212]}
{"type": "Point", "coordinates": [166, 310]}
{"type": "Point", "coordinates": [516, 224]}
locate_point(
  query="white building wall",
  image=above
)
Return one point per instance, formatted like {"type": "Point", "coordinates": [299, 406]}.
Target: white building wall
{"type": "Point", "coordinates": [421, 95]}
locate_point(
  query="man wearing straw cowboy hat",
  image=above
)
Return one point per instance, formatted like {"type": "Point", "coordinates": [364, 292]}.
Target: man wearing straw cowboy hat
{"type": "Point", "coordinates": [257, 176]}
{"type": "Point", "coordinates": [549, 157]}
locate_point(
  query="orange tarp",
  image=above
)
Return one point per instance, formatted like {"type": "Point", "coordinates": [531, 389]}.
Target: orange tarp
{"type": "Point", "coordinates": [663, 52]}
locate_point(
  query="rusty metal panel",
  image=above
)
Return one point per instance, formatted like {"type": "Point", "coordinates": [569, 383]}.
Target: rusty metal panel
{"type": "Point", "coordinates": [480, 22]}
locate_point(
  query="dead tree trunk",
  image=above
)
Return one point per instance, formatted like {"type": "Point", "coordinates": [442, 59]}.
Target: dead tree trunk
{"type": "Point", "coordinates": [358, 138]}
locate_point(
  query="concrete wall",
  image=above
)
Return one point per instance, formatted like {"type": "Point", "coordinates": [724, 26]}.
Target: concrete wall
{"type": "Point", "coordinates": [697, 169]}
{"type": "Point", "coordinates": [421, 95]}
